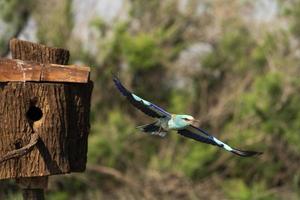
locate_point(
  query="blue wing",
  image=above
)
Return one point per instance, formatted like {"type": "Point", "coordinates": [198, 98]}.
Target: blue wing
{"type": "Point", "coordinates": [145, 106]}
{"type": "Point", "coordinates": [201, 135]}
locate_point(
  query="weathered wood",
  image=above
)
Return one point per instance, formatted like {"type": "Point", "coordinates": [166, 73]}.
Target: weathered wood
{"type": "Point", "coordinates": [58, 112]}
{"type": "Point", "coordinates": [22, 151]}
{"type": "Point", "coordinates": [51, 154]}
{"type": "Point", "coordinates": [29, 51]}
{"type": "Point", "coordinates": [18, 70]}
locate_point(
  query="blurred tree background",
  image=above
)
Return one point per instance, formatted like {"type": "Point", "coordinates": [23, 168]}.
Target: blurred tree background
{"type": "Point", "coordinates": [232, 64]}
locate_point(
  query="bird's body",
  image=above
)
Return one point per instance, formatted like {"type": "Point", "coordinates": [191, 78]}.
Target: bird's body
{"type": "Point", "coordinates": [163, 125]}
{"type": "Point", "coordinates": [165, 122]}
{"type": "Point", "coordinates": [178, 122]}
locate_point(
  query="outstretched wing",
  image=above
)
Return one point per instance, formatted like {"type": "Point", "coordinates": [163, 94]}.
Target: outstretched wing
{"type": "Point", "coordinates": [202, 136]}
{"type": "Point", "coordinates": [145, 106]}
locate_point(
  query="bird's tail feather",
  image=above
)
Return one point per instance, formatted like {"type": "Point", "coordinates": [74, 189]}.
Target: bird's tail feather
{"type": "Point", "coordinates": [149, 127]}
{"type": "Point", "coordinates": [152, 129]}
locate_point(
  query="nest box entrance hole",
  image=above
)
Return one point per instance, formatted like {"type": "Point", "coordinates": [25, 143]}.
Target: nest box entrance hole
{"type": "Point", "coordinates": [34, 113]}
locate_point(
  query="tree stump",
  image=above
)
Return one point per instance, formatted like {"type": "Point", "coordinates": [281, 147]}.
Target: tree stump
{"type": "Point", "coordinates": [44, 125]}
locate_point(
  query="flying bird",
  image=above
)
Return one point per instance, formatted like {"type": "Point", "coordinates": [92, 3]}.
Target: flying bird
{"type": "Point", "coordinates": [165, 122]}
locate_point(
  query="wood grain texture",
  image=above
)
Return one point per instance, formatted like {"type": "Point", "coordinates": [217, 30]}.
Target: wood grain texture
{"type": "Point", "coordinates": [63, 127]}
{"type": "Point", "coordinates": [21, 151]}
{"type": "Point", "coordinates": [18, 70]}
{"type": "Point", "coordinates": [29, 51]}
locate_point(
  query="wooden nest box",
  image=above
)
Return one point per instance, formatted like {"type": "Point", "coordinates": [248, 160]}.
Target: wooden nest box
{"type": "Point", "coordinates": [44, 112]}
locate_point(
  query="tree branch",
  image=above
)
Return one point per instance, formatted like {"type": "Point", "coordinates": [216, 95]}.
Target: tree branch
{"type": "Point", "coordinates": [22, 151]}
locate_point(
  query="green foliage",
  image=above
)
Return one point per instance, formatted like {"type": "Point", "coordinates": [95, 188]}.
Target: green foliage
{"type": "Point", "coordinates": [275, 113]}
{"type": "Point", "coordinates": [7, 8]}
{"type": "Point", "coordinates": [263, 49]}
{"type": "Point", "coordinates": [113, 142]}
{"type": "Point", "coordinates": [109, 146]}
{"type": "Point", "coordinates": [196, 160]}
{"type": "Point", "coordinates": [141, 51]}
{"type": "Point", "coordinates": [15, 14]}
{"type": "Point", "coordinates": [238, 51]}
{"type": "Point", "coordinates": [14, 10]}
{"type": "Point", "coordinates": [13, 196]}
{"type": "Point", "coordinates": [57, 29]}
{"type": "Point", "coordinates": [99, 24]}
{"type": "Point", "coordinates": [60, 195]}
{"type": "Point", "coordinates": [294, 12]}
{"type": "Point", "coordinates": [232, 51]}
{"type": "Point", "coordinates": [236, 189]}
{"type": "Point", "coordinates": [179, 101]}
{"type": "Point", "coordinates": [265, 94]}
{"type": "Point", "coordinates": [3, 46]}
{"type": "Point", "coordinates": [140, 7]}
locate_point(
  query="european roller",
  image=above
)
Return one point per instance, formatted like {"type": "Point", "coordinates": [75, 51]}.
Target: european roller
{"type": "Point", "coordinates": [165, 122]}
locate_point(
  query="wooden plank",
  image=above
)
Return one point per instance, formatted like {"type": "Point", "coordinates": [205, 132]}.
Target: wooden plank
{"type": "Point", "coordinates": [17, 70]}
{"type": "Point", "coordinates": [14, 70]}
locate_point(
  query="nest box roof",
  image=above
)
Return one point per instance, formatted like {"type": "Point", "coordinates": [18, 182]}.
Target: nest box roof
{"type": "Point", "coordinates": [19, 70]}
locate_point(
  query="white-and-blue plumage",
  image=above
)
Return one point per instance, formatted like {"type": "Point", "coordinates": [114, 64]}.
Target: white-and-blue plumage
{"type": "Point", "coordinates": [166, 121]}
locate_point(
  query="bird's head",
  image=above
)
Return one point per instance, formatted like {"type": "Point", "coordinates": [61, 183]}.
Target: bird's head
{"type": "Point", "coordinates": [186, 120]}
